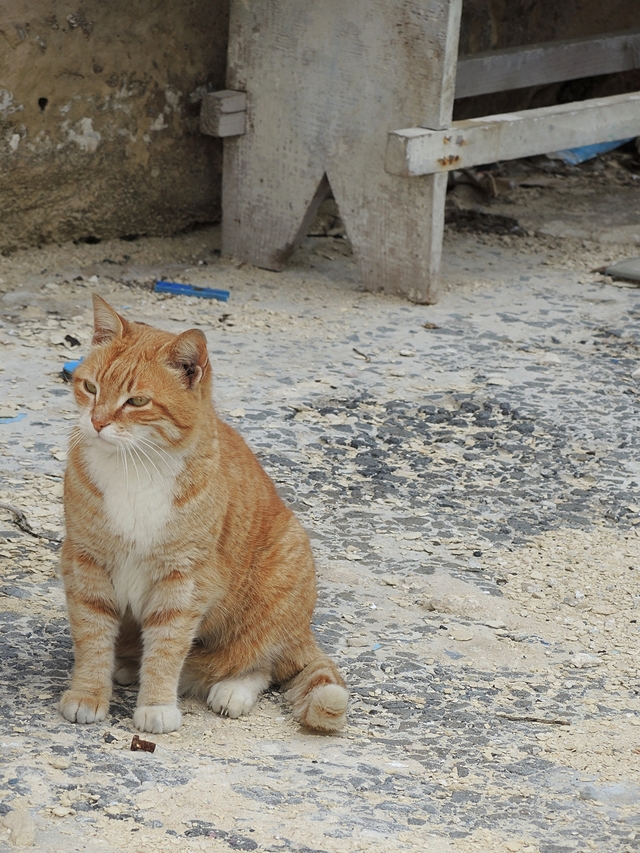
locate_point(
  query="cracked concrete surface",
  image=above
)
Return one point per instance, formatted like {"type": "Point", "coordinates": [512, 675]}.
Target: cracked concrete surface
{"type": "Point", "coordinates": [468, 475]}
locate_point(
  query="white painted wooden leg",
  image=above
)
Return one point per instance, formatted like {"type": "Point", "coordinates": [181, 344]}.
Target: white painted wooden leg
{"type": "Point", "coordinates": [325, 83]}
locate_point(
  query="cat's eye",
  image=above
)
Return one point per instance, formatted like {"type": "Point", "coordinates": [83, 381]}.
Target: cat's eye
{"type": "Point", "coordinates": [90, 387]}
{"type": "Point", "coordinates": [138, 401]}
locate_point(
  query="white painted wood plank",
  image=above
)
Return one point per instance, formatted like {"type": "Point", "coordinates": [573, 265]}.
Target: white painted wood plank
{"type": "Point", "coordinates": [226, 101]}
{"type": "Point", "coordinates": [538, 64]}
{"type": "Point", "coordinates": [223, 113]}
{"type": "Point", "coordinates": [322, 82]}
{"type": "Point", "coordinates": [223, 124]}
{"type": "Point", "coordinates": [415, 151]}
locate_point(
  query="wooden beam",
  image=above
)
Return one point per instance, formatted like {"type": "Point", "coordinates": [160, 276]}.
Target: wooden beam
{"type": "Point", "coordinates": [416, 151]}
{"type": "Point", "coordinates": [537, 64]}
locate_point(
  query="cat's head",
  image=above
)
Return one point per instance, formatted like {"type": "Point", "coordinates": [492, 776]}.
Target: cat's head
{"type": "Point", "coordinates": [139, 384]}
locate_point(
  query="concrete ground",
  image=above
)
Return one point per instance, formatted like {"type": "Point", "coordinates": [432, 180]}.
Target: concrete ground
{"type": "Point", "coordinates": [468, 473]}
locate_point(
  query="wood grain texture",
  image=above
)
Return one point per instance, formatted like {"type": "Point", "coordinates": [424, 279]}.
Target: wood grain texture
{"type": "Point", "coordinates": [325, 82]}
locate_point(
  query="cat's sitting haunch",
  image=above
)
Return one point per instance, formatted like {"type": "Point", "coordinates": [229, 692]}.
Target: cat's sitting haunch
{"type": "Point", "coordinates": [182, 568]}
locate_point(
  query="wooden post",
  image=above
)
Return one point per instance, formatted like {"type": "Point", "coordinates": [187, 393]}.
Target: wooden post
{"type": "Point", "coordinates": [325, 83]}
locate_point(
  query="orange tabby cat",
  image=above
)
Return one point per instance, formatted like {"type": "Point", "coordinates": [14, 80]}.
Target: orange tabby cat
{"type": "Point", "coordinates": [182, 567]}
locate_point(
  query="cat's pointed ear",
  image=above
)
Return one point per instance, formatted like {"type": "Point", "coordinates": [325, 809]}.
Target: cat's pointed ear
{"type": "Point", "coordinates": [107, 324]}
{"type": "Point", "coordinates": [188, 354]}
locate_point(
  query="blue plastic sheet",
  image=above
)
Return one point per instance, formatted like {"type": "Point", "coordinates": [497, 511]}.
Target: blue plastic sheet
{"type": "Point", "coordinates": [573, 156]}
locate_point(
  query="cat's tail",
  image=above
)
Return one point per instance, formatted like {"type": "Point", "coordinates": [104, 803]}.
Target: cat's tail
{"type": "Point", "coordinates": [318, 695]}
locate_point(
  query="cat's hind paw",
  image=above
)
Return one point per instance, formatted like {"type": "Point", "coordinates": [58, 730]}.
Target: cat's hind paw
{"type": "Point", "coordinates": [126, 673]}
{"type": "Point", "coordinates": [157, 718]}
{"type": "Point", "coordinates": [234, 697]}
{"type": "Point", "coordinates": [79, 708]}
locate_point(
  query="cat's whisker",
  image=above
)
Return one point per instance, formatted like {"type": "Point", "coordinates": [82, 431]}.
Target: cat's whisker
{"type": "Point", "coordinates": [146, 455]}
{"type": "Point", "coordinates": [134, 449]}
{"type": "Point", "coordinates": [128, 448]}
{"type": "Point", "coordinates": [126, 467]}
{"type": "Point", "coordinates": [75, 440]}
{"type": "Point", "coordinates": [154, 447]}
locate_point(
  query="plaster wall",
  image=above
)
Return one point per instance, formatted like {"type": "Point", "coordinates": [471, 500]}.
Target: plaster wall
{"type": "Point", "coordinates": [99, 106]}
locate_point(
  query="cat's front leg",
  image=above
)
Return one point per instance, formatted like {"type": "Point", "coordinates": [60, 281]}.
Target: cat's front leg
{"type": "Point", "coordinates": [94, 623]}
{"type": "Point", "coordinates": [168, 628]}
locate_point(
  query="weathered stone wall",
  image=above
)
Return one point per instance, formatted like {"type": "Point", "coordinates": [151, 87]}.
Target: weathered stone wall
{"type": "Point", "coordinates": [99, 117]}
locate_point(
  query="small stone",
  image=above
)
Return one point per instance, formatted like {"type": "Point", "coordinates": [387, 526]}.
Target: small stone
{"type": "Point", "coordinates": [60, 811]}
{"type": "Point", "coordinates": [407, 353]}
{"type": "Point", "coordinates": [20, 825]}
{"type": "Point", "coordinates": [60, 762]}
{"type": "Point", "coordinates": [462, 635]}
{"type": "Point", "coordinates": [547, 358]}
{"type": "Point", "coordinates": [603, 610]}
{"type": "Point", "coordinates": [495, 623]}
{"type": "Point", "coordinates": [513, 846]}
{"type": "Point", "coordinates": [582, 660]}
{"type": "Point", "coordinates": [237, 413]}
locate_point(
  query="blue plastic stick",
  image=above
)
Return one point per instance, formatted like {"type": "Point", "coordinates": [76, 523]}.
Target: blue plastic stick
{"type": "Point", "coordinates": [177, 288]}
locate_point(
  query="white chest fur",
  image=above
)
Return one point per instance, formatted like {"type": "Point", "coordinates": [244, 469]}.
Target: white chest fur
{"type": "Point", "coordinates": [138, 499]}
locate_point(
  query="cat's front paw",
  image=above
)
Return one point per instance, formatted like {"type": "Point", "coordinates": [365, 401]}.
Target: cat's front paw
{"type": "Point", "coordinates": [79, 708]}
{"type": "Point", "coordinates": [157, 718]}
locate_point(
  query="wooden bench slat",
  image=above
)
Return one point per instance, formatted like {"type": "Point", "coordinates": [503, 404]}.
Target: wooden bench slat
{"type": "Point", "coordinates": [415, 151]}
{"type": "Point", "coordinates": [550, 62]}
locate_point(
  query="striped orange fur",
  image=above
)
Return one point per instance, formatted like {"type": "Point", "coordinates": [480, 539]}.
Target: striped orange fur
{"type": "Point", "coordinates": [182, 567]}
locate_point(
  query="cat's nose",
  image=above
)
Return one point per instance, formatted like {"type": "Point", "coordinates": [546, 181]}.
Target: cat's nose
{"type": "Point", "coordinates": [99, 423]}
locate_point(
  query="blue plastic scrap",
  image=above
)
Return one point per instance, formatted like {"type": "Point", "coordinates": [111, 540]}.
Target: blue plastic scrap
{"type": "Point", "coordinates": [68, 367]}
{"type": "Point", "coordinates": [177, 288]}
{"type": "Point", "coordinates": [13, 419]}
{"type": "Point", "coordinates": [573, 156]}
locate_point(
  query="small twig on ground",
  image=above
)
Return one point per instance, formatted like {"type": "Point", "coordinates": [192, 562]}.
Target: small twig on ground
{"type": "Point", "coordinates": [552, 721]}
{"type": "Point", "coordinates": [21, 521]}
{"type": "Point", "coordinates": [366, 357]}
